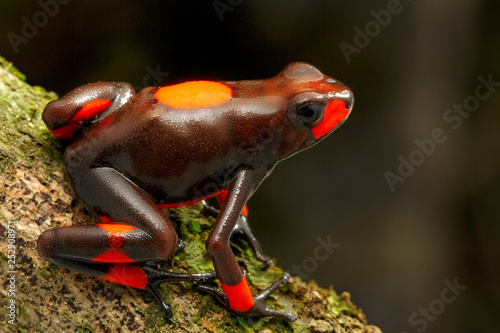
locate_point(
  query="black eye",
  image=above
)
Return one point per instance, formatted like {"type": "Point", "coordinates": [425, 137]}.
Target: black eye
{"type": "Point", "coordinates": [310, 113]}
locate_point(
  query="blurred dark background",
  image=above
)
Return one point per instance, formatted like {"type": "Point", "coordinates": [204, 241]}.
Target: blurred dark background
{"type": "Point", "coordinates": [396, 246]}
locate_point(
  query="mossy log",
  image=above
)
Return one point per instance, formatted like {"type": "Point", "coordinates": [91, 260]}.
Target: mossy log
{"type": "Point", "coordinates": [38, 296]}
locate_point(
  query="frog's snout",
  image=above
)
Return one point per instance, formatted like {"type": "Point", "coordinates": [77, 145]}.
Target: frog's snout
{"type": "Point", "coordinates": [347, 97]}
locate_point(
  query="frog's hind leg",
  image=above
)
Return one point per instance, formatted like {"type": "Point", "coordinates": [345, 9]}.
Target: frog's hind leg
{"type": "Point", "coordinates": [121, 251]}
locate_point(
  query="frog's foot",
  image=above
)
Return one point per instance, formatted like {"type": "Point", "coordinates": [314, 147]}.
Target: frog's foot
{"type": "Point", "coordinates": [242, 228]}
{"type": "Point", "coordinates": [157, 276]}
{"type": "Point", "coordinates": [159, 299]}
{"type": "Point", "coordinates": [259, 307]}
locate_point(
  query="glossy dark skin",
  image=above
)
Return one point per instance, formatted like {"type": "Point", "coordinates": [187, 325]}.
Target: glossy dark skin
{"type": "Point", "coordinates": [140, 152]}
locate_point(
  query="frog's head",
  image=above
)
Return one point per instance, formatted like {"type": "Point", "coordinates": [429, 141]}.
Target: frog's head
{"type": "Point", "coordinates": [320, 105]}
{"type": "Point", "coordinates": [317, 104]}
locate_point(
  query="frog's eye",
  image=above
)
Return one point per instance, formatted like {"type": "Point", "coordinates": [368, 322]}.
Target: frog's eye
{"type": "Point", "coordinates": [310, 114]}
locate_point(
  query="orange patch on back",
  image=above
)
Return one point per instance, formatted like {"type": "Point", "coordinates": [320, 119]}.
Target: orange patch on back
{"type": "Point", "coordinates": [194, 94]}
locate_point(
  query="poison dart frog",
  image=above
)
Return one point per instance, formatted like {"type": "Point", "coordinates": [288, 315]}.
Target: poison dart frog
{"type": "Point", "coordinates": [132, 155]}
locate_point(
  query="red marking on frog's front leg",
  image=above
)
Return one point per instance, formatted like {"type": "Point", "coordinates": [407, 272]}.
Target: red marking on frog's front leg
{"type": "Point", "coordinates": [66, 115]}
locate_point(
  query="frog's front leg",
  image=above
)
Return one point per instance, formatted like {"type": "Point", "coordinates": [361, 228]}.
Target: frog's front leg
{"type": "Point", "coordinates": [88, 103]}
{"type": "Point", "coordinates": [138, 233]}
{"type": "Point", "coordinates": [237, 294]}
{"type": "Point", "coordinates": [241, 228]}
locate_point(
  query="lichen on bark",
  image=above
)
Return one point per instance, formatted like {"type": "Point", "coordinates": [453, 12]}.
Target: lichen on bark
{"type": "Point", "coordinates": [35, 195]}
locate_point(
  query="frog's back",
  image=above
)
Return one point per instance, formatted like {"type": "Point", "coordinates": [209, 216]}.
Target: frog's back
{"type": "Point", "coordinates": [159, 146]}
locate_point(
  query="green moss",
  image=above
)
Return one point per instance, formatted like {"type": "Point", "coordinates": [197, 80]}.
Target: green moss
{"type": "Point", "coordinates": [13, 70]}
{"type": "Point", "coordinates": [23, 132]}
{"type": "Point", "coordinates": [339, 305]}
{"type": "Point", "coordinates": [259, 278]}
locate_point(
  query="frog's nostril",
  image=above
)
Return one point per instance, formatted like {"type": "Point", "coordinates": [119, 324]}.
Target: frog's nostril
{"type": "Point", "coordinates": [349, 105]}
{"type": "Point", "coordinates": [349, 101]}
{"type": "Point", "coordinates": [347, 97]}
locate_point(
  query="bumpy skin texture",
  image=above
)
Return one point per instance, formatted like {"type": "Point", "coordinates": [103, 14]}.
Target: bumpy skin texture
{"type": "Point", "coordinates": [131, 155]}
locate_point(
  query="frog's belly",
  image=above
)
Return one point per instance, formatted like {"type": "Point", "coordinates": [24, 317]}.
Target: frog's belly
{"type": "Point", "coordinates": [193, 185]}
